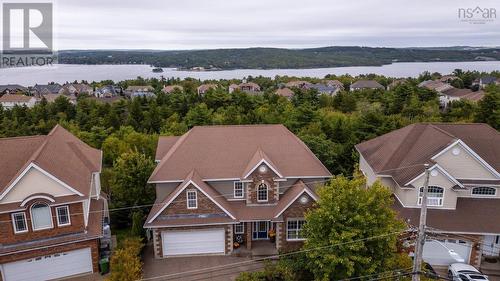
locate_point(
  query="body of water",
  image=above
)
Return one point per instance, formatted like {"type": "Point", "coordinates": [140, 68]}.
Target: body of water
{"type": "Point", "coordinates": [62, 73]}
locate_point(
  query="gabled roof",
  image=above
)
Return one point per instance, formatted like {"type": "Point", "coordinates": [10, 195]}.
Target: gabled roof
{"type": "Point", "coordinates": [59, 153]}
{"type": "Point", "coordinates": [402, 153]}
{"type": "Point", "coordinates": [284, 92]}
{"type": "Point", "coordinates": [224, 152]}
{"type": "Point", "coordinates": [292, 195]}
{"type": "Point", "coordinates": [15, 98]}
{"type": "Point", "coordinates": [165, 143]}
{"type": "Point", "coordinates": [366, 84]}
{"type": "Point", "coordinates": [191, 179]}
{"type": "Point", "coordinates": [257, 159]}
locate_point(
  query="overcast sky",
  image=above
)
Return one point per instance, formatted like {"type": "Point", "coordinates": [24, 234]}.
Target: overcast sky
{"type": "Point", "coordinates": [202, 24]}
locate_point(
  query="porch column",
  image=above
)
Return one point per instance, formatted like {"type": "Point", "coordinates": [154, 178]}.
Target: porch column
{"type": "Point", "coordinates": [249, 235]}
{"type": "Point", "coordinates": [279, 233]}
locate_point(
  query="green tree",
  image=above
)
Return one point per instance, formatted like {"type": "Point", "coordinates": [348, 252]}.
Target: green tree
{"type": "Point", "coordinates": [489, 108]}
{"type": "Point", "coordinates": [348, 212]}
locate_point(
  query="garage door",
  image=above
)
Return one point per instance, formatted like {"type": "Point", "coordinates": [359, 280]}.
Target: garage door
{"type": "Point", "coordinates": [210, 241]}
{"type": "Point", "coordinates": [436, 252]}
{"type": "Point", "coordinates": [50, 266]}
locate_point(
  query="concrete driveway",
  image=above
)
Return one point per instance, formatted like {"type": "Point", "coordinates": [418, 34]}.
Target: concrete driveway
{"type": "Point", "coordinates": [196, 268]}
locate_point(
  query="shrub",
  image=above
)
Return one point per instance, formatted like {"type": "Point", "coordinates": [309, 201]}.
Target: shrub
{"type": "Point", "coordinates": [126, 263]}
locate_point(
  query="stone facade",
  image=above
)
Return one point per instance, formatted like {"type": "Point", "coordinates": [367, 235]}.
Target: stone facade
{"type": "Point", "coordinates": [296, 210]}
{"type": "Point", "coordinates": [179, 205]}
{"type": "Point", "coordinates": [259, 178]}
{"type": "Point", "coordinates": [7, 235]}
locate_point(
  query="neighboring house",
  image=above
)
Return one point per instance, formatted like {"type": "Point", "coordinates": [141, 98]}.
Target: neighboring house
{"type": "Point", "coordinates": [454, 94]}
{"type": "Point", "coordinates": [285, 92]}
{"type": "Point", "coordinates": [51, 207]}
{"type": "Point", "coordinates": [247, 87]}
{"type": "Point", "coordinates": [9, 101]}
{"type": "Point", "coordinates": [144, 89]}
{"type": "Point", "coordinates": [40, 90]}
{"type": "Point", "coordinates": [486, 80]}
{"type": "Point", "coordinates": [218, 185]}
{"type": "Point", "coordinates": [108, 91]}
{"type": "Point", "coordinates": [171, 88]}
{"type": "Point", "coordinates": [12, 89]}
{"type": "Point", "coordinates": [75, 89]}
{"type": "Point", "coordinates": [335, 83]}
{"type": "Point", "coordinates": [463, 193]}
{"type": "Point", "coordinates": [203, 88]}
{"type": "Point", "coordinates": [52, 98]}
{"type": "Point", "coordinates": [325, 89]}
{"type": "Point", "coordinates": [365, 84]}
{"type": "Point", "coordinates": [297, 84]}
{"type": "Point", "coordinates": [437, 86]}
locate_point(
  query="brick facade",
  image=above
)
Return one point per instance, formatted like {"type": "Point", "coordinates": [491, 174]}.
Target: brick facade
{"type": "Point", "coordinates": [257, 179]}
{"type": "Point", "coordinates": [179, 205]}
{"type": "Point", "coordinates": [7, 235]}
{"type": "Point", "coordinates": [296, 210]}
{"type": "Point", "coordinates": [158, 243]}
{"type": "Point", "coordinates": [93, 244]}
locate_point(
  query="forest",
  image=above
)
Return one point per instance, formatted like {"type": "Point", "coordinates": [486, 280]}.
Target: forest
{"type": "Point", "coordinates": [127, 130]}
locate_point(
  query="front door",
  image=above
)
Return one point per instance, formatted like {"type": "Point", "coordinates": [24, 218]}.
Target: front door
{"type": "Point", "coordinates": [260, 230]}
{"type": "Point", "coordinates": [491, 245]}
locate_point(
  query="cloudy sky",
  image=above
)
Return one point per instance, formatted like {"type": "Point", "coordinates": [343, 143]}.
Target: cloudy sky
{"type": "Point", "coordinates": [202, 24]}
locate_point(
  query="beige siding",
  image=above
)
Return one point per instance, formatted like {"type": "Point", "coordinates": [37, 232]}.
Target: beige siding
{"type": "Point", "coordinates": [164, 189]}
{"type": "Point", "coordinates": [33, 182]}
{"type": "Point", "coordinates": [370, 175]}
{"type": "Point", "coordinates": [439, 179]}
{"type": "Point", "coordinates": [464, 165]}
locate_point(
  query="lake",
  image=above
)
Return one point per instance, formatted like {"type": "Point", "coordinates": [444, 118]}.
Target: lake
{"type": "Point", "coordinates": [62, 73]}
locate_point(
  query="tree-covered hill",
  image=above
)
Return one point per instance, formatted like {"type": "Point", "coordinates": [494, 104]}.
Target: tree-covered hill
{"type": "Point", "coordinates": [267, 58]}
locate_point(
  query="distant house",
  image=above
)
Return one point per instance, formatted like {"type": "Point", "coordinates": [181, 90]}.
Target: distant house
{"type": "Point", "coordinates": [455, 94]}
{"type": "Point", "coordinates": [40, 90]}
{"type": "Point", "coordinates": [285, 92]}
{"type": "Point", "coordinates": [325, 89]}
{"type": "Point", "coordinates": [486, 80]}
{"type": "Point", "coordinates": [9, 101]}
{"type": "Point", "coordinates": [297, 84]}
{"type": "Point", "coordinates": [365, 84]}
{"type": "Point", "coordinates": [395, 83]}
{"type": "Point", "coordinates": [335, 83]}
{"type": "Point", "coordinates": [12, 89]}
{"type": "Point", "coordinates": [107, 91]}
{"type": "Point", "coordinates": [448, 78]}
{"type": "Point", "coordinates": [171, 88]}
{"type": "Point", "coordinates": [52, 98]}
{"type": "Point", "coordinates": [247, 87]}
{"type": "Point", "coordinates": [203, 88]}
{"type": "Point", "coordinates": [140, 89]}
{"type": "Point", "coordinates": [77, 89]}
{"type": "Point", "coordinates": [437, 86]}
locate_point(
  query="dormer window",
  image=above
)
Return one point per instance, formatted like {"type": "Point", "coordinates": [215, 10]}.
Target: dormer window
{"type": "Point", "coordinates": [239, 189]}
{"type": "Point", "coordinates": [192, 199]}
{"type": "Point", "coordinates": [41, 216]}
{"type": "Point", "coordinates": [262, 191]}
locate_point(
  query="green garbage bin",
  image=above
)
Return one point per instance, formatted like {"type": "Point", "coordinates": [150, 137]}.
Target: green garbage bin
{"type": "Point", "coordinates": [104, 265]}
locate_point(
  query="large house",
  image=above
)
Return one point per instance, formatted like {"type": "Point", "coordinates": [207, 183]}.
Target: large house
{"type": "Point", "coordinates": [8, 101]}
{"type": "Point", "coordinates": [51, 209]}
{"type": "Point", "coordinates": [455, 94]}
{"type": "Point", "coordinates": [41, 90]}
{"type": "Point", "coordinates": [463, 196]}
{"type": "Point", "coordinates": [247, 87]}
{"type": "Point", "coordinates": [221, 185]}
{"type": "Point", "coordinates": [366, 84]}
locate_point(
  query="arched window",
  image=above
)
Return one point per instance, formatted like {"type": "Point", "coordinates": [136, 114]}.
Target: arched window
{"type": "Point", "coordinates": [484, 191]}
{"type": "Point", "coordinates": [41, 216]}
{"type": "Point", "coordinates": [262, 192]}
{"type": "Point", "coordinates": [434, 195]}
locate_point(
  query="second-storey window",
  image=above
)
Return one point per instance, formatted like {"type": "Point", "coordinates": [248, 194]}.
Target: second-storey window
{"type": "Point", "coordinates": [238, 189]}
{"type": "Point", "coordinates": [434, 196]}
{"type": "Point", "coordinates": [192, 199]}
{"type": "Point", "coordinates": [484, 191]}
{"type": "Point", "coordinates": [262, 192]}
{"type": "Point", "coordinates": [19, 222]}
{"type": "Point", "coordinates": [41, 216]}
{"type": "Point", "coordinates": [63, 216]}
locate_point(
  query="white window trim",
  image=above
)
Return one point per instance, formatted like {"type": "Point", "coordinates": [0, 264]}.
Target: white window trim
{"type": "Point", "coordinates": [267, 193]}
{"type": "Point", "coordinates": [297, 220]}
{"type": "Point", "coordinates": [242, 190]}
{"type": "Point", "coordinates": [419, 198]}
{"type": "Point", "coordinates": [483, 195]}
{"type": "Point", "coordinates": [242, 228]}
{"type": "Point", "coordinates": [195, 199]}
{"type": "Point", "coordinates": [57, 215]}
{"type": "Point", "coordinates": [14, 223]}
{"type": "Point", "coordinates": [32, 220]}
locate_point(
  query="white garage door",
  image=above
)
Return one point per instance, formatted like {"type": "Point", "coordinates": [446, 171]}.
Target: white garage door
{"type": "Point", "coordinates": [49, 267]}
{"type": "Point", "coordinates": [436, 253]}
{"type": "Point", "coordinates": [210, 241]}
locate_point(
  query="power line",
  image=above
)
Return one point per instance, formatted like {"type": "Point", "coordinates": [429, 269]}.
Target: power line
{"type": "Point", "coordinates": [277, 256]}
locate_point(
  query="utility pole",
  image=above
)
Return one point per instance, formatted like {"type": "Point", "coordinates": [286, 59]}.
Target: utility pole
{"type": "Point", "coordinates": [419, 245]}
